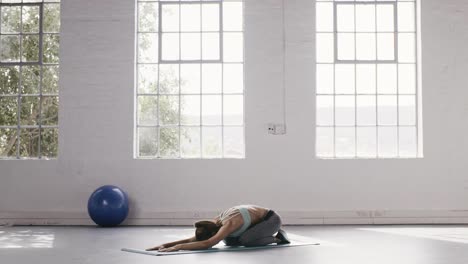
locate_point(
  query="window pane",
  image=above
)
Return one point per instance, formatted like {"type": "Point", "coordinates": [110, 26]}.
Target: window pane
{"type": "Point", "coordinates": [385, 18]}
{"type": "Point", "coordinates": [9, 80]}
{"type": "Point", "coordinates": [387, 79]}
{"type": "Point", "coordinates": [148, 17]}
{"type": "Point", "coordinates": [147, 141]}
{"type": "Point", "coordinates": [386, 46]}
{"type": "Point", "coordinates": [210, 46]}
{"type": "Point", "coordinates": [50, 77]}
{"type": "Point", "coordinates": [325, 113]}
{"type": "Point", "coordinates": [29, 110]}
{"type": "Point", "coordinates": [30, 50]}
{"type": "Point", "coordinates": [49, 110]}
{"type": "Point", "coordinates": [190, 49]}
{"type": "Point", "coordinates": [407, 47]}
{"type": "Point", "coordinates": [366, 78]}
{"type": "Point", "coordinates": [212, 142]}
{"type": "Point", "coordinates": [324, 19]}
{"type": "Point", "coordinates": [147, 110]}
{"type": "Point", "coordinates": [233, 142]}
{"type": "Point", "coordinates": [365, 18]}
{"type": "Point", "coordinates": [9, 110]}
{"type": "Point", "coordinates": [233, 47]}
{"type": "Point", "coordinates": [344, 79]}
{"type": "Point", "coordinates": [233, 78]}
{"type": "Point", "coordinates": [147, 78]}
{"type": "Point", "coordinates": [406, 19]}
{"type": "Point", "coordinates": [29, 142]}
{"type": "Point", "coordinates": [8, 138]}
{"type": "Point", "coordinates": [10, 48]}
{"type": "Point", "coordinates": [10, 19]}
{"type": "Point", "coordinates": [345, 18]}
{"type": "Point", "coordinates": [169, 78]}
{"type": "Point", "coordinates": [148, 47]}
{"type": "Point", "coordinates": [190, 142]}
{"type": "Point", "coordinates": [346, 46]}
{"type": "Point", "coordinates": [407, 110]}
{"type": "Point", "coordinates": [210, 17]}
{"type": "Point", "coordinates": [344, 110]}
{"type": "Point", "coordinates": [345, 142]}
{"type": "Point", "coordinates": [232, 16]}
{"type": "Point", "coordinates": [366, 110]}
{"type": "Point", "coordinates": [169, 142]}
{"type": "Point", "coordinates": [233, 110]}
{"type": "Point", "coordinates": [211, 109]}
{"type": "Point", "coordinates": [31, 19]}
{"type": "Point", "coordinates": [170, 18]}
{"type": "Point", "coordinates": [190, 18]}
{"type": "Point", "coordinates": [325, 47]}
{"type": "Point", "coordinates": [31, 79]}
{"type": "Point", "coordinates": [190, 78]}
{"type": "Point", "coordinates": [51, 18]}
{"type": "Point", "coordinates": [365, 46]}
{"type": "Point", "coordinates": [190, 109]}
{"type": "Point", "coordinates": [170, 46]}
{"type": "Point", "coordinates": [407, 78]}
{"type": "Point", "coordinates": [325, 142]}
{"type": "Point", "coordinates": [169, 110]}
{"type": "Point", "coordinates": [387, 110]}
{"type": "Point", "coordinates": [49, 142]}
{"type": "Point", "coordinates": [51, 48]}
{"type": "Point", "coordinates": [212, 78]}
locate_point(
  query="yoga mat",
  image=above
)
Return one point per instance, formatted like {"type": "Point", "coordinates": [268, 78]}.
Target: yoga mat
{"type": "Point", "coordinates": [217, 249]}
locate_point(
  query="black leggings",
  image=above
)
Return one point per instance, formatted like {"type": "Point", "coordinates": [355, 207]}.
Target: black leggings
{"type": "Point", "coordinates": [260, 234]}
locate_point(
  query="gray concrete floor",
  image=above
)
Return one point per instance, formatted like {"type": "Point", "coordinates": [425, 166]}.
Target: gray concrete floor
{"type": "Point", "coordinates": [339, 244]}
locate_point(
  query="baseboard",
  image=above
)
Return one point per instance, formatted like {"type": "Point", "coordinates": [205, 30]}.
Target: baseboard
{"type": "Point", "coordinates": [378, 217]}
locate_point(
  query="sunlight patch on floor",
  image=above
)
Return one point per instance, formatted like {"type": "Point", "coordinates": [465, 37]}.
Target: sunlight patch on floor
{"type": "Point", "coordinates": [26, 239]}
{"type": "Point", "coordinates": [452, 234]}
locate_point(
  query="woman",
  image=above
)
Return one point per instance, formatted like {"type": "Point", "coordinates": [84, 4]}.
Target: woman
{"type": "Point", "coordinates": [244, 225]}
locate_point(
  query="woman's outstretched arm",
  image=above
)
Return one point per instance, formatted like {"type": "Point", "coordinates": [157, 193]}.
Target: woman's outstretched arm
{"type": "Point", "coordinates": [196, 245]}
{"type": "Point", "coordinates": [172, 244]}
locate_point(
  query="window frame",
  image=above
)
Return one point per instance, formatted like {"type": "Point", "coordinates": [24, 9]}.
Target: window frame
{"type": "Point", "coordinates": [19, 95]}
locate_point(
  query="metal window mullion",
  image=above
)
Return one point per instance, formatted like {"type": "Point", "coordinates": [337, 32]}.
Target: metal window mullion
{"type": "Point", "coordinates": [41, 67]}
{"type": "Point", "coordinates": [417, 69]}
{"type": "Point", "coordinates": [221, 56]}
{"type": "Point", "coordinates": [201, 81]}
{"type": "Point", "coordinates": [376, 88]}
{"type": "Point", "coordinates": [355, 86]}
{"type": "Point", "coordinates": [179, 65]}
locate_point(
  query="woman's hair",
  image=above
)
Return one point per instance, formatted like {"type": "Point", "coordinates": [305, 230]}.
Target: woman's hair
{"type": "Point", "coordinates": [205, 230]}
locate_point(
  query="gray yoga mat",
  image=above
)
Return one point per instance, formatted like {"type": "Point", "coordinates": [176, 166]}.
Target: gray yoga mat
{"type": "Point", "coordinates": [218, 249]}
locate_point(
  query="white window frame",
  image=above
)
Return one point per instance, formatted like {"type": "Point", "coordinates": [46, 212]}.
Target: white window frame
{"type": "Point", "coordinates": [417, 92]}
{"type": "Point", "coordinates": [19, 127]}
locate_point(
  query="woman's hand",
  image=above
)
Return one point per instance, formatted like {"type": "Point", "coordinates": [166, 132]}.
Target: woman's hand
{"type": "Point", "coordinates": [156, 248]}
{"type": "Point", "coordinates": [170, 249]}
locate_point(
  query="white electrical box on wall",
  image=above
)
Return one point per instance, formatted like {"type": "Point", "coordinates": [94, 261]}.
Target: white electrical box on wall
{"type": "Point", "coordinates": [276, 129]}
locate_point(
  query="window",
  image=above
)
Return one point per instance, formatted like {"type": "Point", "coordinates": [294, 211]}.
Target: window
{"type": "Point", "coordinates": [190, 84]}
{"type": "Point", "coordinates": [368, 86]}
{"type": "Point", "coordinates": [29, 69]}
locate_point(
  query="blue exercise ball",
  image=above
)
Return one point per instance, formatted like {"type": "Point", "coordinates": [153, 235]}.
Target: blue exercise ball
{"type": "Point", "coordinates": [108, 206]}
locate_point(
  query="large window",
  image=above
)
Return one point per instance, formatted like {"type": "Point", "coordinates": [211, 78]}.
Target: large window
{"type": "Point", "coordinates": [29, 49]}
{"type": "Point", "coordinates": [189, 90]}
{"type": "Point", "coordinates": [368, 85]}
